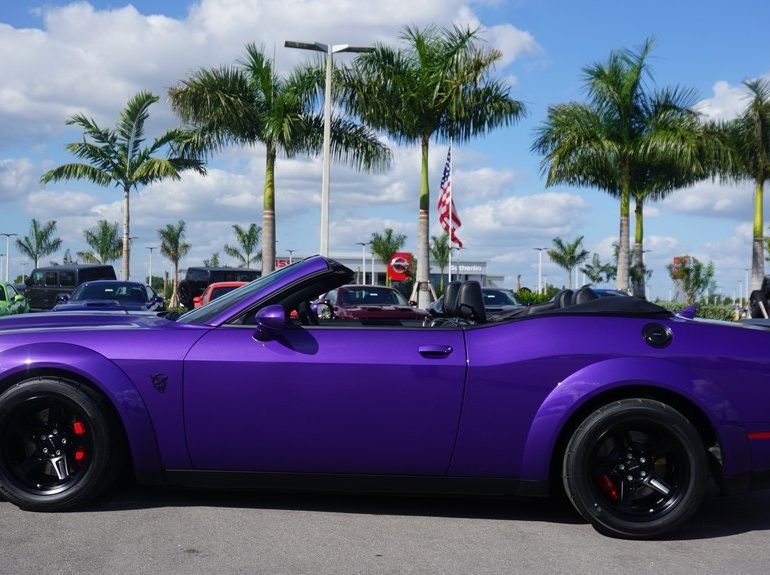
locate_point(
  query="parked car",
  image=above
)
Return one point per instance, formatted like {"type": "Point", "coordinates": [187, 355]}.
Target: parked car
{"type": "Point", "coordinates": [198, 278]}
{"type": "Point", "coordinates": [111, 295]}
{"type": "Point", "coordinates": [495, 301]}
{"type": "Point", "coordinates": [45, 284]}
{"type": "Point", "coordinates": [215, 290]}
{"type": "Point", "coordinates": [11, 301]}
{"type": "Point", "coordinates": [367, 302]}
{"type": "Point", "coordinates": [625, 405]}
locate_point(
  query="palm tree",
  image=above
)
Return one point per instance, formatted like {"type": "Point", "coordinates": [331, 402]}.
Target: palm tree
{"type": "Point", "coordinates": [750, 137]}
{"type": "Point", "coordinates": [439, 87]}
{"type": "Point", "coordinates": [213, 261]}
{"type": "Point", "coordinates": [248, 241]}
{"type": "Point", "coordinates": [567, 255]}
{"type": "Point", "coordinates": [627, 141]}
{"type": "Point", "coordinates": [385, 245]}
{"type": "Point", "coordinates": [40, 241]}
{"type": "Point", "coordinates": [598, 272]}
{"type": "Point", "coordinates": [173, 246]}
{"type": "Point", "coordinates": [250, 103]}
{"type": "Point", "coordinates": [439, 252]}
{"type": "Point", "coordinates": [104, 242]}
{"type": "Point", "coordinates": [117, 157]}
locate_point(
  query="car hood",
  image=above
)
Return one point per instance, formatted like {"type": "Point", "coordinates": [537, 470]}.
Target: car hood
{"type": "Point", "coordinates": [60, 320]}
{"type": "Point", "coordinates": [99, 304]}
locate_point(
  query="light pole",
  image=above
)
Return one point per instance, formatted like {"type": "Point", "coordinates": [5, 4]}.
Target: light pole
{"type": "Point", "coordinates": [363, 259]}
{"type": "Point", "coordinates": [7, 252]}
{"type": "Point", "coordinates": [290, 253]}
{"type": "Point", "coordinates": [539, 269]}
{"type": "Point", "coordinates": [329, 50]}
{"type": "Point", "coordinates": [149, 283]}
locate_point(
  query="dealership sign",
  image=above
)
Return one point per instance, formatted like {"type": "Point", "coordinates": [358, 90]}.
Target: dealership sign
{"type": "Point", "coordinates": [399, 265]}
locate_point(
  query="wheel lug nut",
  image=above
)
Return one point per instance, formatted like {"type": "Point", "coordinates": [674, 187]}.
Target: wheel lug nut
{"type": "Point", "coordinates": [643, 474]}
{"type": "Point", "coordinates": [621, 467]}
{"type": "Point", "coordinates": [629, 456]}
{"type": "Point", "coordinates": [642, 460]}
{"type": "Point", "coordinates": [63, 440]}
{"type": "Point", "coordinates": [55, 431]}
{"type": "Point", "coordinates": [45, 450]}
{"type": "Point", "coordinates": [42, 437]}
{"type": "Point", "coordinates": [58, 452]}
{"type": "Point", "coordinates": [630, 477]}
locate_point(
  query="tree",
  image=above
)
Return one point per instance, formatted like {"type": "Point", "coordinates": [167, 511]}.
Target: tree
{"type": "Point", "coordinates": [439, 252]}
{"type": "Point", "coordinates": [117, 157]}
{"type": "Point", "coordinates": [385, 245]}
{"type": "Point", "coordinates": [567, 255]}
{"type": "Point", "coordinates": [598, 272]}
{"type": "Point", "coordinates": [249, 103]}
{"type": "Point", "coordinates": [173, 246]}
{"type": "Point", "coordinates": [213, 261]}
{"type": "Point", "coordinates": [627, 141]}
{"type": "Point", "coordinates": [438, 86]}
{"type": "Point", "coordinates": [248, 241]}
{"type": "Point", "coordinates": [750, 138]}
{"type": "Point", "coordinates": [40, 241]}
{"type": "Point", "coordinates": [692, 277]}
{"type": "Point", "coordinates": [104, 242]}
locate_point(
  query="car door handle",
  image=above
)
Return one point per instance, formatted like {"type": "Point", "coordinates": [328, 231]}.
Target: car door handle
{"type": "Point", "coordinates": [435, 350]}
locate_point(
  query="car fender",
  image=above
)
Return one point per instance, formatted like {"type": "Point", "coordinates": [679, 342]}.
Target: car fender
{"type": "Point", "coordinates": [87, 364]}
{"type": "Point", "coordinates": [582, 386]}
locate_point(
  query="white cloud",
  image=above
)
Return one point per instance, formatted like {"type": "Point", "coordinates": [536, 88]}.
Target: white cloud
{"type": "Point", "coordinates": [17, 178]}
{"type": "Point", "coordinates": [726, 103]}
{"type": "Point", "coordinates": [714, 199]}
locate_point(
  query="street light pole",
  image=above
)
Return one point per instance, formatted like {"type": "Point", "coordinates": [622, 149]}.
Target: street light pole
{"type": "Point", "coordinates": [363, 259]}
{"type": "Point", "coordinates": [290, 253]}
{"type": "Point", "coordinates": [329, 50]}
{"type": "Point", "coordinates": [7, 253]}
{"type": "Point", "coordinates": [540, 269]}
{"type": "Point", "coordinates": [149, 283]}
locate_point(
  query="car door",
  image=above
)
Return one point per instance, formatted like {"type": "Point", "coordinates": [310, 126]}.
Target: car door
{"type": "Point", "coordinates": [325, 400]}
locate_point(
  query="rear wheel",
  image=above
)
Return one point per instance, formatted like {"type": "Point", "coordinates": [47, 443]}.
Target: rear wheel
{"type": "Point", "coordinates": [56, 445]}
{"type": "Point", "coordinates": [635, 468]}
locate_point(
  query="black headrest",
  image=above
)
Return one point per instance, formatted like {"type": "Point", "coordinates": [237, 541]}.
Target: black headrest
{"type": "Point", "coordinates": [470, 302]}
{"type": "Point", "coordinates": [583, 295]}
{"type": "Point", "coordinates": [563, 298]}
{"type": "Point", "coordinates": [450, 299]}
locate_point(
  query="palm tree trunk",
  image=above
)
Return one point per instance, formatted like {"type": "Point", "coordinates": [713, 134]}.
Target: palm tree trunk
{"type": "Point", "coordinates": [423, 231]}
{"type": "Point", "coordinates": [268, 214]}
{"type": "Point", "coordinates": [126, 236]}
{"type": "Point", "coordinates": [638, 274]}
{"type": "Point", "coordinates": [758, 244]}
{"type": "Point", "coordinates": [175, 286]}
{"type": "Point", "coordinates": [621, 281]}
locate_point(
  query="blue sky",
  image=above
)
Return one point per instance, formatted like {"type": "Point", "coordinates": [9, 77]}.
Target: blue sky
{"type": "Point", "coordinates": [61, 58]}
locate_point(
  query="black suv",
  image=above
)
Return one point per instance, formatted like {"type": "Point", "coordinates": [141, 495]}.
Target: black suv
{"type": "Point", "coordinates": [198, 279]}
{"type": "Point", "coordinates": [44, 284]}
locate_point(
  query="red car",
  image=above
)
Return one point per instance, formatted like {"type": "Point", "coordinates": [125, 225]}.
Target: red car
{"type": "Point", "coordinates": [367, 302]}
{"type": "Point", "coordinates": [215, 290]}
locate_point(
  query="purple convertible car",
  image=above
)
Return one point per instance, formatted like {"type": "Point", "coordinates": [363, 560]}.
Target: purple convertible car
{"type": "Point", "coordinates": [627, 407]}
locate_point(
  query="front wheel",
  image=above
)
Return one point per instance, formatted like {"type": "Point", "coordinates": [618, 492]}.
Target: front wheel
{"type": "Point", "coordinates": [635, 468]}
{"type": "Point", "coordinates": [57, 449]}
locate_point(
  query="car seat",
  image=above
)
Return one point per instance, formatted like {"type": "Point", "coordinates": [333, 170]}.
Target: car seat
{"type": "Point", "coordinates": [470, 302]}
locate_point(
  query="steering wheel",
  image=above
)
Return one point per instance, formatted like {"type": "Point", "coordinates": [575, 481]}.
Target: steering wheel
{"type": "Point", "coordinates": [307, 315]}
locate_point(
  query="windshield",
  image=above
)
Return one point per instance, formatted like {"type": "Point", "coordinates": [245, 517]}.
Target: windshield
{"type": "Point", "coordinates": [111, 291]}
{"type": "Point", "coordinates": [494, 297]}
{"type": "Point", "coordinates": [370, 296]}
{"type": "Point", "coordinates": [204, 313]}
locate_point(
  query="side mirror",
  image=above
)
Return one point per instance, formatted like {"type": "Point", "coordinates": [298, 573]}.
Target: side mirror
{"type": "Point", "coordinates": [412, 303]}
{"type": "Point", "coordinates": [197, 301]}
{"type": "Point", "coordinates": [18, 297]}
{"type": "Point", "coordinates": [62, 298]}
{"type": "Point", "coordinates": [28, 281]}
{"type": "Point", "coordinates": [324, 310]}
{"type": "Point", "coordinates": [270, 320]}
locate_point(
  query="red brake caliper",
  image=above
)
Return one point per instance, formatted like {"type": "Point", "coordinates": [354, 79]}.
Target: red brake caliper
{"type": "Point", "coordinates": [78, 428]}
{"type": "Point", "coordinates": [607, 486]}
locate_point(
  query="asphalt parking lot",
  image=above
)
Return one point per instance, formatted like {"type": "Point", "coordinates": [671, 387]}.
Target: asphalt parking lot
{"type": "Point", "coordinates": [138, 530]}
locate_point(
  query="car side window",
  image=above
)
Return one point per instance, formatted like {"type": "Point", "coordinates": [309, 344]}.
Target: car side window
{"type": "Point", "coordinates": [67, 278]}
{"type": "Point", "coordinates": [11, 292]}
{"type": "Point", "coordinates": [51, 279]}
{"type": "Point", "coordinates": [38, 278]}
{"type": "Point", "coordinates": [2, 293]}
{"type": "Point", "coordinates": [332, 297]}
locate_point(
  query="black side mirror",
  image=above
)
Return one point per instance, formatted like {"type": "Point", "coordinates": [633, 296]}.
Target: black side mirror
{"type": "Point", "coordinates": [62, 298]}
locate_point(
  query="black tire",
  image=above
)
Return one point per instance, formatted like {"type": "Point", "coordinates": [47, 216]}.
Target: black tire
{"type": "Point", "coordinates": [57, 447]}
{"type": "Point", "coordinates": [635, 469]}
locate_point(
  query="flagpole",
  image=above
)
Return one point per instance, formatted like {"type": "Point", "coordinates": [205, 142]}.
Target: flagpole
{"type": "Point", "coordinates": [451, 220]}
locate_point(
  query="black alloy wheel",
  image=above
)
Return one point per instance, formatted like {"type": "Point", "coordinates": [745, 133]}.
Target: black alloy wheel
{"type": "Point", "coordinates": [55, 445]}
{"type": "Point", "coordinates": [635, 468]}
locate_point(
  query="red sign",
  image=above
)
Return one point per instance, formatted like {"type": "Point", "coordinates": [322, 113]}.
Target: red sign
{"type": "Point", "coordinates": [281, 262]}
{"type": "Point", "coordinates": [399, 265]}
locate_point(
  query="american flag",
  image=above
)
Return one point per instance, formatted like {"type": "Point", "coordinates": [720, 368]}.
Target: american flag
{"type": "Point", "coordinates": [445, 201]}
